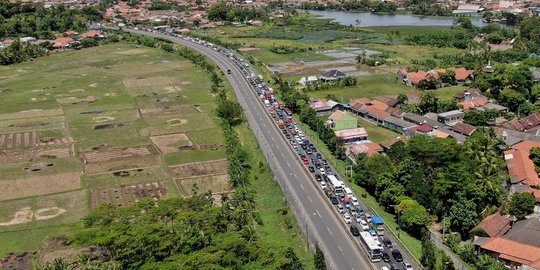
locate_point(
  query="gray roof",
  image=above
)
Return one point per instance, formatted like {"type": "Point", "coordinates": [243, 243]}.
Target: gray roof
{"type": "Point", "coordinates": [459, 137]}
{"type": "Point", "coordinates": [526, 232]}
{"type": "Point", "coordinates": [422, 120]}
{"type": "Point", "coordinates": [514, 137]}
{"type": "Point", "coordinates": [334, 73]}
{"type": "Point", "coordinates": [493, 106]}
{"type": "Point", "coordinates": [451, 113]}
{"type": "Point", "coordinates": [399, 122]}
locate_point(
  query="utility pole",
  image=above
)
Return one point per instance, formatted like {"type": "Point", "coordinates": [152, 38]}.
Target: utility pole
{"type": "Point", "coordinates": [443, 226]}
{"type": "Point", "coordinates": [307, 234]}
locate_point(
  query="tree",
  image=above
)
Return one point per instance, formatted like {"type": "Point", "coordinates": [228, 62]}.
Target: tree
{"type": "Point", "coordinates": [464, 23]}
{"type": "Point", "coordinates": [403, 99]}
{"type": "Point", "coordinates": [448, 77]}
{"type": "Point", "coordinates": [414, 216]}
{"type": "Point", "coordinates": [318, 257]}
{"type": "Point", "coordinates": [230, 111]}
{"type": "Point", "coordinates": [447, 263]}
{"type": "Point", "coordinates": [428, 259]}
{"type": "Point", "coordinates": [428, 103]}
{"type": "Point", "coordinates": [463, 216]}
{"type": "Point", "coordinates": [293, 262]}
{"type": "Point", "coordinates": [512, 99]}
{"type": "Point", "coordinates": [522, 204]}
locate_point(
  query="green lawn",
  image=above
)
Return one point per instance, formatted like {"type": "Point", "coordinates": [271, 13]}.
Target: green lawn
{"type": "Point", "coordinates": [25, 240]}
{"type": "Point", "coordinates": [377, 133]}
{"type": "Point", "coordinates": [449, 92]}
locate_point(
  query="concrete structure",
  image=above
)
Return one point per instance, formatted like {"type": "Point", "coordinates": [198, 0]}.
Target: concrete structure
{"type": "Point", "coordinates": [323, 107]}
{"type": "Point", "coordinates": [451, 117]}
{"type": "Point", "coordinates": [347, 136]}
{"type": "Point", "coordinates": [340, 120]}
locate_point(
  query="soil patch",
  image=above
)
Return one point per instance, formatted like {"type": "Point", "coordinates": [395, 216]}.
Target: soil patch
{"type": "Point", "coordinates": [118, 159]}
{"type": "Point", "coordinates": [93, 85]}
{"type": "Point", "coordinates": [182, 110]}
{"type": "Point", "coordinates": [94, 112]}
{"type": "Point", "coordinates": [126, 195]}
{"type": "Point", "coordinates": [176, 122]}
{"type": "Point", "coordinates": [48, 213]}
{"type": "Point", "coordinates": [24, 215]}
{"type": "Point", "coordinates": [101, 119]}
{"type": "Point", "coordinates": [146, 82]}
{"type": "Point", "coordinates": [37, 99]}
{"type": "Point", "coordinates": [18, 140]}
{"type": "Point", "coordinates": [58, 247]}
{"type": "Point", "coordinates": [200, 168]}
{"type": "Point", "coordinates": [77, 101]}
{"type": "Point", "coordinates": [30, 124]}
{"type": "Point", "coordinates": [17, 261]}
{"type": "Point", "coordinates": [39, 185]}
{"type": "Point", "coordinates": [172, 142]}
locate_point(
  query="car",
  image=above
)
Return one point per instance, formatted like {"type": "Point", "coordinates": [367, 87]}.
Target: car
{"type": "Point", "coordinates": [319, 155]}
{"type": "Point", "coordinates": [395, 266]}
{"type": "Point", "coordinates": [318, 177]}
{"type": "Point", "coordinates": [323, 185]}
{"type": "Point", "coordinates": [354, 201]}
{"type": "Point", "coordinates": [304, 146]}
{"type": "Point", "coordinates": [299, 151]}
{"type": "Point", "coordinates": [288, 136]}
{"type": "Point", "coordinates": [407, 265]}
{"type": "Point", "coordinates": [364, 225]}
{"type": "Point", "coordinates": [347, 218]}
{"type": "Point", "coordinates": [368, 217]}
{"type": "Point", "coordinates": [354, 230]}
{"type": "Point", "coordinates": [228, 71]}
{"type": "Point", "coordinates": [384, 268]}
{"type": "Point", "coordinates": [387, 243]}
{"type": "Point", "coordinates": [323, 171]}
{"type": "Point", "coordinates": [324, 162]}
{"type": "Point", "coordinates": [340, 208]}
{"type": "Point", "coordinates": [311, 169]}
{"type": "Point", "coordinates": [293, 142]}
{"type": "Point", "coordinates": [373, 233]}
{"type": "Point", "coordinates": [385, 257]}
{"type": "Point", "coordinates": [306, 161]}
{"type": "Point", "coordinates": [357, 217]}
{"type": "Point", "coordinates": [397, 255]}
{"type": "Point", "coordinates": [309, 152]}
{"type": "Point", "coordinates": [334, 200]}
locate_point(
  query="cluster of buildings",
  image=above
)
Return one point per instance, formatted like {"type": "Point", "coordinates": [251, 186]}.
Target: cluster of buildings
{"type": "Point", "coordinates": [462, 76]}
{"type": "Point", "coordinates": [65, 41]}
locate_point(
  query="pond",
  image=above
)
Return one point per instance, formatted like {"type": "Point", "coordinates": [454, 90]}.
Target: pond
{"type": "Point", "coordinates": [366, 19]}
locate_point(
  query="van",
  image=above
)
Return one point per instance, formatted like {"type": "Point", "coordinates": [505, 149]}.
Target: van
{"type": "Point", "coordinates": [349, 192]}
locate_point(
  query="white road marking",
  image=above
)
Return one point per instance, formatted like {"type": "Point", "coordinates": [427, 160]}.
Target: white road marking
{"type": "Point", "coordinates": [317, 210]}
{"type": "Point", "coordinates": [309, 198]}
{"type": "Point", "coordinates": [273, 139]}
{"type": "Point", "coordinates": [329, 231]}
{"type": "Point", "coordinates": [341, 250]}
{"type": "Point", "coordinates": [301, 186]}
{"type": "Point", "coordinates": [289, 165]}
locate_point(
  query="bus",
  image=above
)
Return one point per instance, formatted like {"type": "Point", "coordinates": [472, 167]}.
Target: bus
{"type": "Point", "coordinates": [377, 224]}
{"type": "Point", "coordinates": [288, 111]}
{"type": "Point", "coordinates": [337, 185]}
{"type": "Point", "coordinates": [372, 246]}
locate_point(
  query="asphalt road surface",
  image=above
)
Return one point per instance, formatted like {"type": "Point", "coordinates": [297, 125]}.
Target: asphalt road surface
{"type": "Point", "coordinates": [321, 223]}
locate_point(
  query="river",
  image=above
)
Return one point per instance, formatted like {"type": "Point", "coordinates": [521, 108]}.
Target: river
{"type": "Point", "coordinates": [366, 19]}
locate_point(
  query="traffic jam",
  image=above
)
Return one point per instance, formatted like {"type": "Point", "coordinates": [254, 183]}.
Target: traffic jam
{"type": "Point", "coordinates": [368, 229]}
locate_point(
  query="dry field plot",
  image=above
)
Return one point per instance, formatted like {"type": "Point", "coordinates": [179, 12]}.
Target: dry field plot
{"type": "Point", "coordinates": [200, 168]}
{"type": "Point", "coordinates": [215, 183]}
{"type": "Point", "coordinates": [17, 261]}
{"type": "Point", "coordinates": [118, 159]}
{"type": "Point", "coordinates": [39, 185]}
{"type": "Point", "coordinates": [31, 114]}
{"type": "Point", "coordinates": [126, 195]}
{"type": "Point", "coordinates": [147, 82]}
{"type": "Point", "coordinates": [18, 140]}
{"type": "Point", "coordinates": [172, 143]}
{"type": "Point", "coordinates": [176, 110]}
{"type": "Point", "coordinates": [21, 156]}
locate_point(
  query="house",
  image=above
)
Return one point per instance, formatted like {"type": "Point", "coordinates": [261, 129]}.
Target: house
{"type": "Point", "coordinates": [347, 136]}
{"type": "Point", "coordinates": [419, 130]}
{"type": "Point", "coordinates": [352, 151]}
{"type": "Point", "coordinates": [307, 80]}
{"type": "Point", "coordinates": [525, 232]}
{"type": "Point", "coordinates": [332, 75]}
{"type": "Point", "coordinates": [340, 120]}
{"type": "Point", "coordinates": [413, 78]}
{"type": "Point", "coordinates": [357, 105]}
{"type": "Point", "coordinates": [512, 137]}
{"type": "Point", "coordinates": [536, 193]}
{"type": "Point", "coordinates": [520, 167]}
{"type": "Point", "coordinates": [451, 117]}
{"type": "Point", "coordinates": [418, 119]}
{"type": "Point", "coordinates": [393, 111]}
{"type": "Point", "coordinates": [467, 10]}
{"type": "Point", "coordinates": [93, 34]}
{"type": "Point", "coordinates": [62, 42]}
{"type": "Point", "coordinates": [445, 132]}
{"type": "Point", "coordinates": [390, 142]}
{"type": "Point", "coordinates": [376, 115]}
{"type": "Point", "coordinates": [392, 102]}
{"type": "Point", "coordinates": [512, 254]}
{"type": "Point", "coordinates": [495, 107]}
{"type": "Point", "coordinates": [525, 124]}
{"type": "Point", "coordinates": [494, 225]}
{"type": "Point", "coordinates": [463, 128]}
{"type": "Point", "coordinates": [27, 39]}
{"type": "Point", "coordinates": [397, 124]}
{"type": "Point", "coordinates": [323, 107]}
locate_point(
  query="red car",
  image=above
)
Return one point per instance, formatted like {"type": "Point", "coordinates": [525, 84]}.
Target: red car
{"type": "Point", "coordinates": [306, 161]}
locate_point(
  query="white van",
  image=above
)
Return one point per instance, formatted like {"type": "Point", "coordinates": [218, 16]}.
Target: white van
{"type": "Point", "coordinates": [266, 103]}
{"type": "Point", "coordinates": [348, 191]}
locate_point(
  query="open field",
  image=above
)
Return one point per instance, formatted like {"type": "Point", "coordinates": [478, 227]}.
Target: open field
{"type": "Point", "coordinates": [76, 128]}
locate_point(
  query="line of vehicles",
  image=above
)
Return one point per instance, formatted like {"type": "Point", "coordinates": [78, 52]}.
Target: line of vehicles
{"type": "Point", "coordinates": [367, 228]}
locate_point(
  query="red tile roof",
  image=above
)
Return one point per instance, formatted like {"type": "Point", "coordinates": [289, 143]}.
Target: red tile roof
{"type": "Point", "coordinates": [530, 122]}
{"type": "Point", "coordinates": [423, 128]}
{"type": "Point", "coordinates": [376, 113]}
{"type": "Point", "coordinates": [513, 251]}
{"type": "Point", "coordinates": [379, 105]}
{"type": "Point", "coordinates": [388, 143]}
{"type": "Point", "coordinates": [535, 192]}
{"type": "Point", "coordinates": [520, 166]}
{"type": "Point", "coordinates": [357, 104]}
{"type": "Point", "coordinates": [463, 128]}
{"type": "Point", "coordinates": [494, 225]}
{"type": "Point", "coordinates": [370, 148]}
{"type": "Point", "coordinates": [479, 102]}
{"type": "Point", "coordinates": [461, 74]}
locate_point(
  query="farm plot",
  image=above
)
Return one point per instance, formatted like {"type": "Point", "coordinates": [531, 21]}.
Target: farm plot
{"type": "Point", "coordinates": [16, 261]}
{"type": "Point", "coordinates": [125, 177]}
{"type": "Point", "coordinates": [22, 156]}
{"type": "Point", "coordinates": [18, 140]}
{"type": "Point", "coordinates": [31, 113]}
{"type": "Point", "coordinates": [34, 124]}
{"type": "Point", "coordinates": [200, 168]}
{"type": "Point", "coordinates": [178, 110]}
{"type": "Point", "coordinates": [42, 166]}
{"type": "Point", "coordinates": [39, 185]}
{"type": "Point", "coordinates": [171, 143]}
{"type": "Point", "coordinates": [217, 184]}
{"type": "Point", "coordinates": [146, 82]}
{"type": "Point", "coordinates": [118, 159]}
{"type": "Point", "coordinates": [159, 125]}
{"type": "Point", "coordinates": [126, 195]}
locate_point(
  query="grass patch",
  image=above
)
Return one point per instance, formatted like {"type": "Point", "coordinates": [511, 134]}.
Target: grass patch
{"type": "Point", "coordinates": [194, 156]}
{"type": "Point", "coordinates": [377, 133]}
{"type": "Point", "coordinates": [25, 240]}
{"type": "Point", "coordinates": [135, 176]}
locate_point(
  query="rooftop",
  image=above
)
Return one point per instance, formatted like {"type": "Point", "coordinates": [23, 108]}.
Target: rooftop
{"type": "Point", "coordinates": [520, 166]}
{"type": "Point", "coordinates": [525, 232]}
{"type": "Point", "coordinates": [369, 148]}
{"type": "Point", "coordinates": [513, 251]}
{"type": "Point", "coordinates": [463, 128]}
{"type": "Point", "coordinates": [494, 225]}
{"type": "Point", "coordinates": [351, 133]}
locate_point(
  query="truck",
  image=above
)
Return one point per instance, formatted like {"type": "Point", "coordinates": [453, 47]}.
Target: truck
{"type": "Point", "coordinates": [336, 184]}
{"type": "Point", "coordinates": [281, 124]}
{"type": "Point", "coordinates": [377, 224]}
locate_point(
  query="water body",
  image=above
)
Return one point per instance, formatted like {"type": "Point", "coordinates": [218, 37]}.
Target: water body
{"type": "Point", "coordinates": [366, 19]}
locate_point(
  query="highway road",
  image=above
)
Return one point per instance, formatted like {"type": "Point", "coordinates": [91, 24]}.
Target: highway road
{"type": "Point", "coordinates": [319, 221]}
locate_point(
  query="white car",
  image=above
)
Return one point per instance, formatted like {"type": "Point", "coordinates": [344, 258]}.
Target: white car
{"type": "Point", "coordinates": [407, 265]}
{"type": "Point", "coordinates": [354, 201]}
{"type": "Point", "coordinates": [364, 225]}
{"type": "Point", "coordinates": [323, 171]}
{"type": "Point", "coordinates": [323, 185]}
{"type": "Point", "coordinates": [347, 218]}
{"type": "Point", "coordinates": [368, 217]}
{"type": "Point", "coordinates": [384, 268]}
{"type": "Point", "coordinates": [340, 208]}
{"type": "Point", "coordinates": [357, 217]}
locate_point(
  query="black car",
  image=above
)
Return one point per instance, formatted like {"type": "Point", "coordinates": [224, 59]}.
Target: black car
{"type": "Point", "coordinates": [387, 243]}
{"type": "Point", "coordinates": [318, 177]}
{"type": "Point", "coordinates": [385, 257]}
{"type": "Point", "coordinates": [334, 200]}
{"type": "Point", "coordinates": [311, 169]}
{"type": "Point", "coordinates": [284, 131]}
{"type": "Point", "coordinates": [395, 267]}
{"type": "Point", "coordinates": [309, 152]}
{"type": "Point", "coordinates": [397, 255]}
{"type": "Point", "coordinates": [324, 162]}
{"type": "Point", "coordinates": [319, 155]}
{"type": "Point", "coordinates": [288, 136]}
{"type": "Point", "coordinates": [304, 146]}
{"type": "Point", "coordinates": [355, 231]}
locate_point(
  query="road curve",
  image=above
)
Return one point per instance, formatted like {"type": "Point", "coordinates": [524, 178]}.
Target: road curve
{"type": "Point", "coordinates": [312, 209]}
